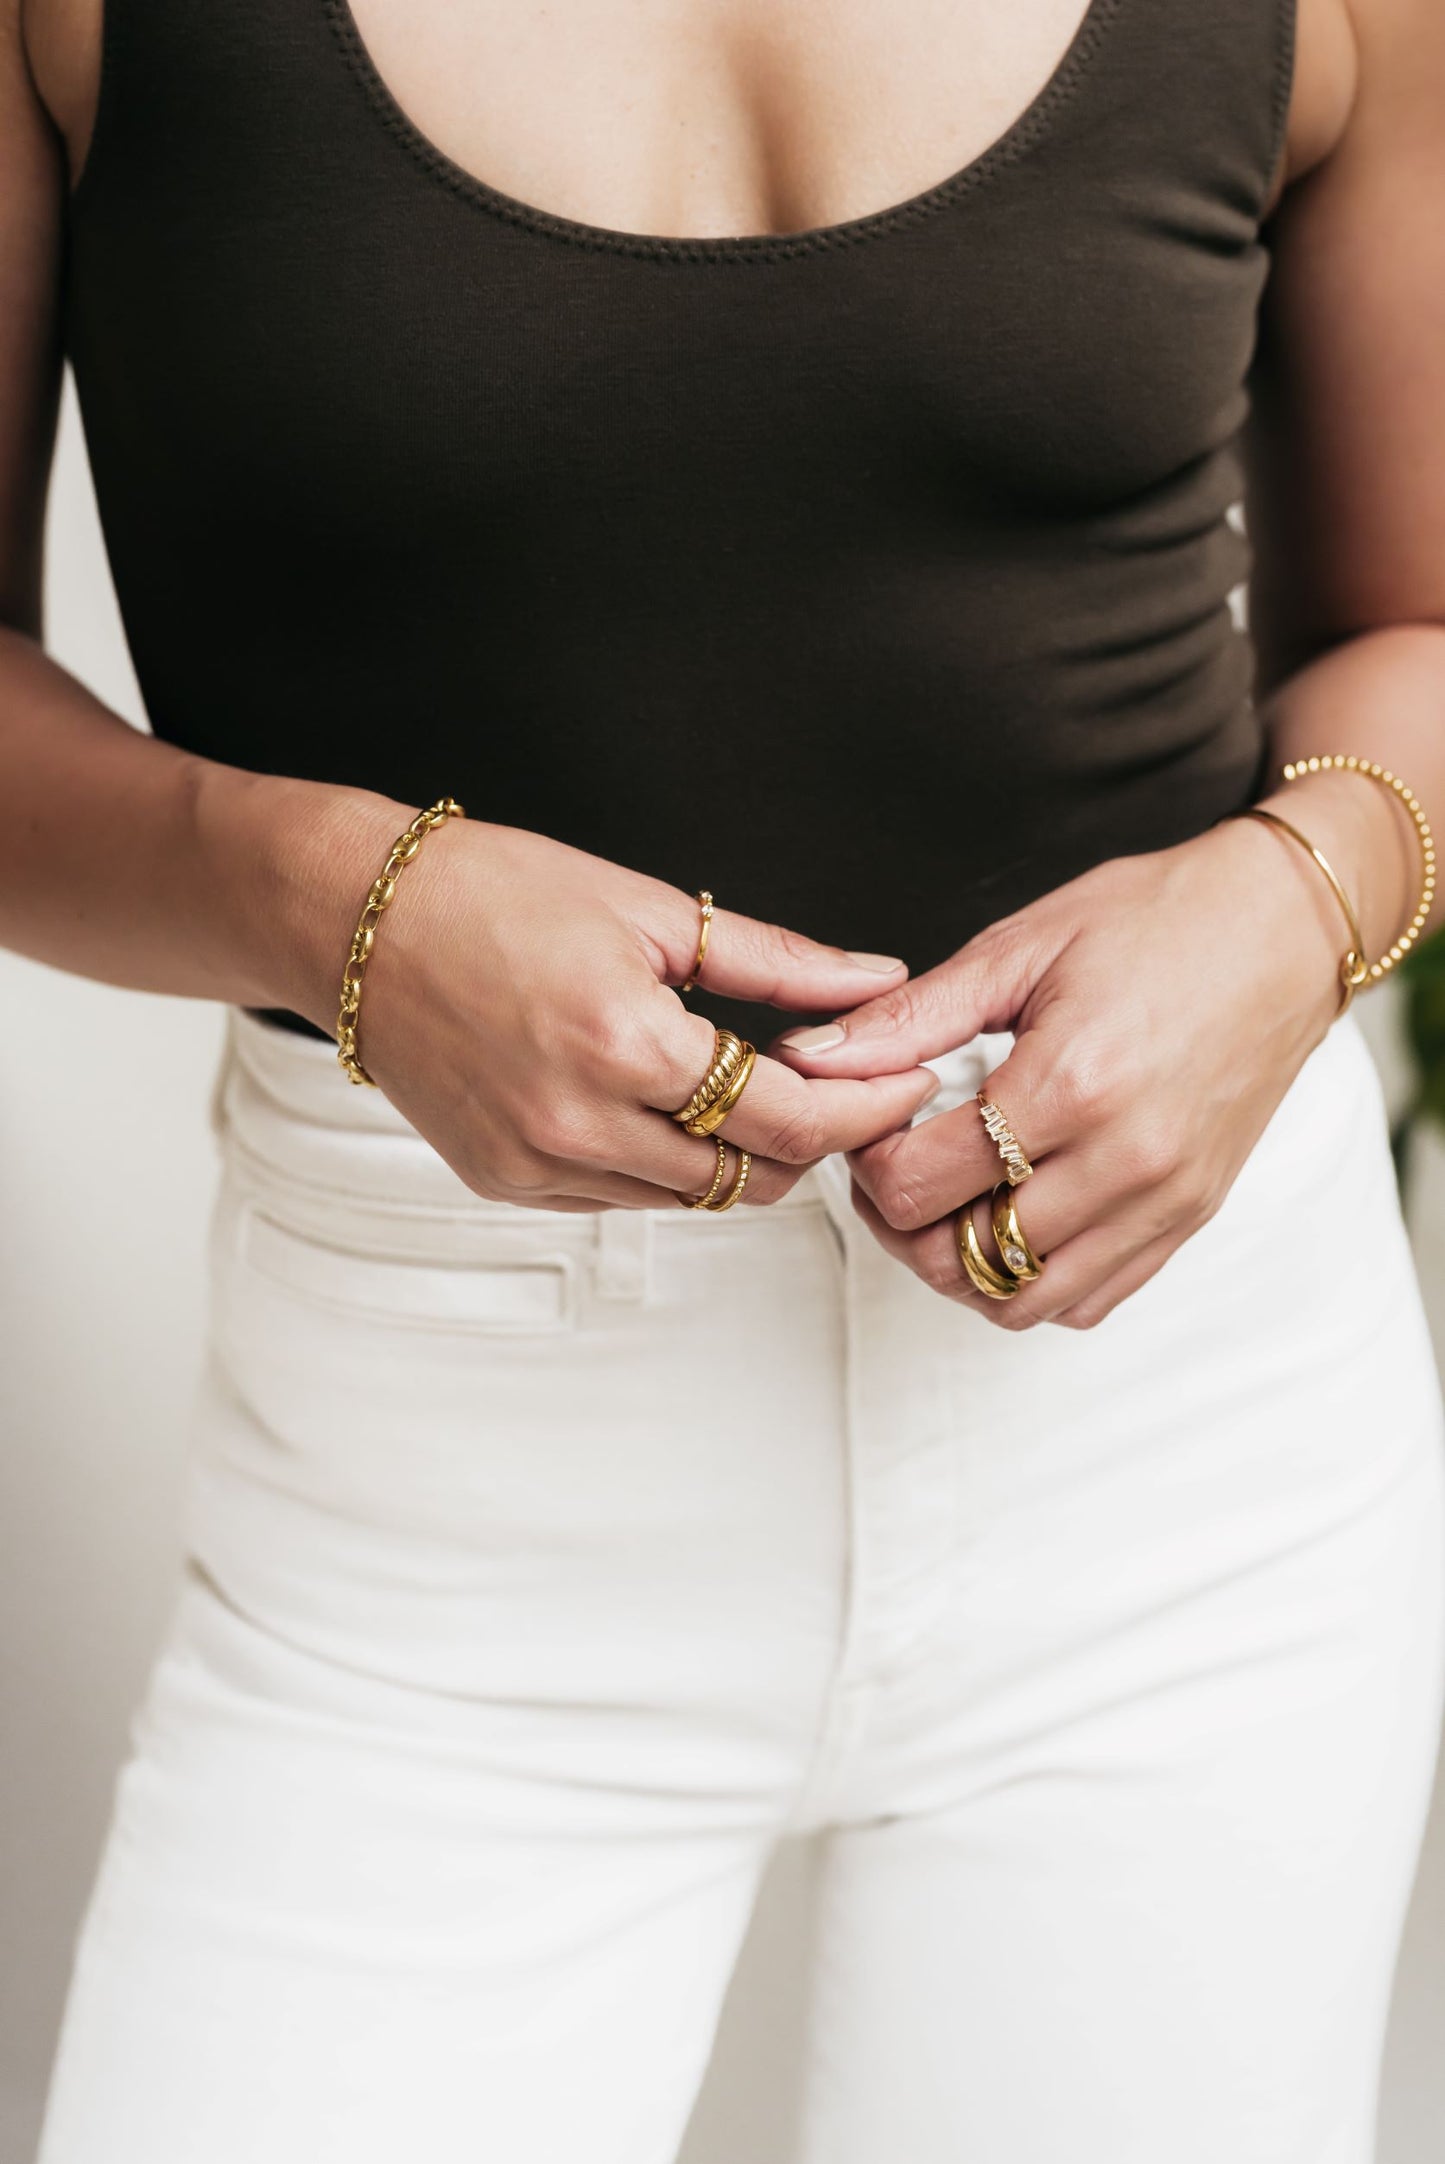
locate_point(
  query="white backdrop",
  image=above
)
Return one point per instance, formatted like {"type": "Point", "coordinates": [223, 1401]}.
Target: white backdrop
{"type": "Point", "coordinates": [106, 1175]}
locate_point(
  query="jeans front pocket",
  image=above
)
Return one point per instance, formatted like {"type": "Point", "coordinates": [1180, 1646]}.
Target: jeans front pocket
{"type": "Point", "coordinates": [381, 1387]}
{"type": "Point", "coordinates": [504, 1285]}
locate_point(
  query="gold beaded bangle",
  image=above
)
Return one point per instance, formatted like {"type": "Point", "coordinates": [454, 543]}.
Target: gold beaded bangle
{"type": "Point", "coordinates": [1354, 969]}
{"type": "Point", "coordinates": [1373, 771]}
{"type": "Point", "coordinates": [383, 887]}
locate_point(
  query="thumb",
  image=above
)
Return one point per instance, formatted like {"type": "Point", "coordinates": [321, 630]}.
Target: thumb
{"type": "Point", "coordinates": [983, 987]}
{"type": "Point", "coordinates": [748, 959]}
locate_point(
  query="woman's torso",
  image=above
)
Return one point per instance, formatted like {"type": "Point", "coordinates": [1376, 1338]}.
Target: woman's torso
{"type": "Point", "coordinates": [877, 575]}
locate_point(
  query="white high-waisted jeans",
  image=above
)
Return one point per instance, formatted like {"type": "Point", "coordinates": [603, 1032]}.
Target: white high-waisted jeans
{"type": "Point", "coordinates": [544, 1571]}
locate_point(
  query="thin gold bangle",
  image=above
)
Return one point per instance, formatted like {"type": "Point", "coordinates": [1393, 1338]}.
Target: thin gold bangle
{"type": "Point", "coordinates": [1348, 763]}
{"type": "Point", "coordinates": [383, 887]}
{"type": "Point", "coordinates": [1353, 967]}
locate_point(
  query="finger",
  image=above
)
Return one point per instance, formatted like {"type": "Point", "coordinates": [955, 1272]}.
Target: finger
{"type": "Point", "coordinates": [780, 1114]}
{"type": "Point", "coordinates": [783, 1116]}
{"type": "Point", "coordinates": [930, 1255]}
{"type": "Point", "coordinates": [651, 1148]}
{"type": "Point", "coordinates": [981, 988]}
{"type": "Point", "coordinates": [1072, 1278]}
{"type": "Point", "coordinates": [588, 1188]}
{"type": "Point", "coordinates": [749, 959]}
{"type": "Point", "coordinates": [919, 1174]}
{"type": "Point", "coordinates": [1074, 1272]}
{"type": "Point", "coordinates": [1095, 1306]}
{"type": "Point", "coordinates": [915, 1178]}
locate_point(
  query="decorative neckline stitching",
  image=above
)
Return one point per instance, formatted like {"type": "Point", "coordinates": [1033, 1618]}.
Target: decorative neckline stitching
{"type": "Point", "coordinates": [1020, 136]}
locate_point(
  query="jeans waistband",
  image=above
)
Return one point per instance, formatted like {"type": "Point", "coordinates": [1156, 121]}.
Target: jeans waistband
{"type": "Point", "coordinates": [342, 1157]}
{"type": "Point", "coordinates": [285, 1098]}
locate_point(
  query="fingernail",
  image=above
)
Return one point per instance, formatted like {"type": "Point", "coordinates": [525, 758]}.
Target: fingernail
{"type": "Point", "coordinates": [821, 1039]}
{"type": "Point", "coordinates": [935, 1084]}
{"type": "Point", "coordinates": [885, 964]}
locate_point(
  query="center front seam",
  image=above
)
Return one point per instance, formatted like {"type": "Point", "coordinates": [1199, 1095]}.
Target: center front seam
{"type": "Point", "coordinates": [850, 1691]}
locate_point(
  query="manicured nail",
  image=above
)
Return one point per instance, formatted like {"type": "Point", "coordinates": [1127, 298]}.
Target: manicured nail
{"type": "Point", "coordinates": [821, 1039]}
{"type": "Point", "coordinates": [885, 964]}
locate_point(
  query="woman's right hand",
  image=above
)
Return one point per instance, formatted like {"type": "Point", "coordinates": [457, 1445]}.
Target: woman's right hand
{"type": "Point", "coordinates": [516, 1007]}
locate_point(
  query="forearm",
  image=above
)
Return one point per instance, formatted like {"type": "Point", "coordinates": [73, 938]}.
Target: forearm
{"type": "Point", "coordinates": [132, 861]}
{"type": "Point", "coordinates": [1381, 696]}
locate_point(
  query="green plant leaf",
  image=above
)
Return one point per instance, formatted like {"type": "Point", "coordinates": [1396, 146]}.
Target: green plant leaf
{"type": "Point", "coordinates": [1423, 983]}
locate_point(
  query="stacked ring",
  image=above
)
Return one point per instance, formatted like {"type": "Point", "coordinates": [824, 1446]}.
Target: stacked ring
{"type": "Point", "coordinates": [721, 1087]}
{"type": "Point", "coordinates": [709, 1201]}
{"type": "Point", "coordinates": [726, 1059]}
{"type": "Point", "coordinates": [1021, 1264]}
{"type": "Point", "coordinates": [1018, 1256]}
{"type": "Point", "coordinates": [981, 1274]}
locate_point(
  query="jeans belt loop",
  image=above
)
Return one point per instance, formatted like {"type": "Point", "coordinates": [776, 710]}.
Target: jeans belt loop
{"type": "Point", "coordinates": [622, 1266]}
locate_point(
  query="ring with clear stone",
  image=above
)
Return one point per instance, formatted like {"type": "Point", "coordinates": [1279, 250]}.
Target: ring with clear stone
{"type": "Point", "coordinates": [1018, 1256]}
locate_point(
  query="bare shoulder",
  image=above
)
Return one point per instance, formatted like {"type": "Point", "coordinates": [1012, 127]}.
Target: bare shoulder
{"type": "Point", "coordinates": [1400, 46]}
{"type": "Point", "coordinates": [1363, 67]}
{"type": "Point", "coordinates": [1323, 89]}
{"type": "Point", "coordinates": [60, 40]}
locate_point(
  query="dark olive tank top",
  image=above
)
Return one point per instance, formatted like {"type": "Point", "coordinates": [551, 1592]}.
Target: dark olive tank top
{"type": "Point", "coordinates": [876, 577]}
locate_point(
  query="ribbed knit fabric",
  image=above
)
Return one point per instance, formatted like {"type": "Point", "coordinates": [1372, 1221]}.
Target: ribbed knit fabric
{"type": "Point", "coordinates": [876, 577]}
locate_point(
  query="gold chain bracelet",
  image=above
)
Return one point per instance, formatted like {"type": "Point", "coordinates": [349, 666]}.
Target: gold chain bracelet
{"type": "Point", "coordinates": [383, 887]}
{"type": "Point", "coordinates": [1354, 969]}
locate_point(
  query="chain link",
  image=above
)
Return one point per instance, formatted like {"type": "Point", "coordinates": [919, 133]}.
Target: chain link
{"type": "Point", "coordinates": [383, 888]}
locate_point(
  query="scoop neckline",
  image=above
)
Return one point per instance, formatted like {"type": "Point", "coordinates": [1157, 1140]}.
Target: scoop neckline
{"type": "Point", "coordinates": [1027, 128]}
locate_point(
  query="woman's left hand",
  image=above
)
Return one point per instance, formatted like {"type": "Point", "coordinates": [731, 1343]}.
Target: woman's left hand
{"type": "Point", "coordinates": [1161, 1004]}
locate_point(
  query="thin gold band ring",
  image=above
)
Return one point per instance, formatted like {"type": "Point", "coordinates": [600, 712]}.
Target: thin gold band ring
{"type": "Point", "coordinates": [705, 899]}
{"type": "Point", "coordinates": [709, 1201]}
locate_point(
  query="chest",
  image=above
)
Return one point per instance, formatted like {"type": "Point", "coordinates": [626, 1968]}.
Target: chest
{"type": "Point", "coordinates": [714, 117]}
{"type": "Point", "coordinates": [1057, 319]}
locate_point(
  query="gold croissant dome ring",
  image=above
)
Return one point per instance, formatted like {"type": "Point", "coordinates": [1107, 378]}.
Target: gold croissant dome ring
{"type": "Point", "coordinates": [1007, 1143]}
{"type": "Point", "coordinates": [721, 1087]}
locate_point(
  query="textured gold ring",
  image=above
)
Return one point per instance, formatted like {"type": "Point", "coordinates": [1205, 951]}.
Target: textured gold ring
{"type": "Point", "coordinates": [721, 1087]}
{"type": "Point", "coordinates": [705, 1202]}
{"type": "Point", "coordinates": [996, 1284]}
{"type": "Point", "coordinates": [727, 1054]}
{"type": "Point", "coordinates": [709, 1201]}
{"type": "Point", "coordinates": [734, 1193]}
{"type": "Point", "coordinates": [711, 1117]}
{"type": "Point", "coordinates": [706, 901]}
{"type": "Point", "coordinates": [1006, 1142]}
{"type": "Point", "coordinates": [1012, 1243]}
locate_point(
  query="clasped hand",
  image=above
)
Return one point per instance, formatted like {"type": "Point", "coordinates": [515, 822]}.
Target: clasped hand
{"type": "Point", "coordinates": [1160, 1004]}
